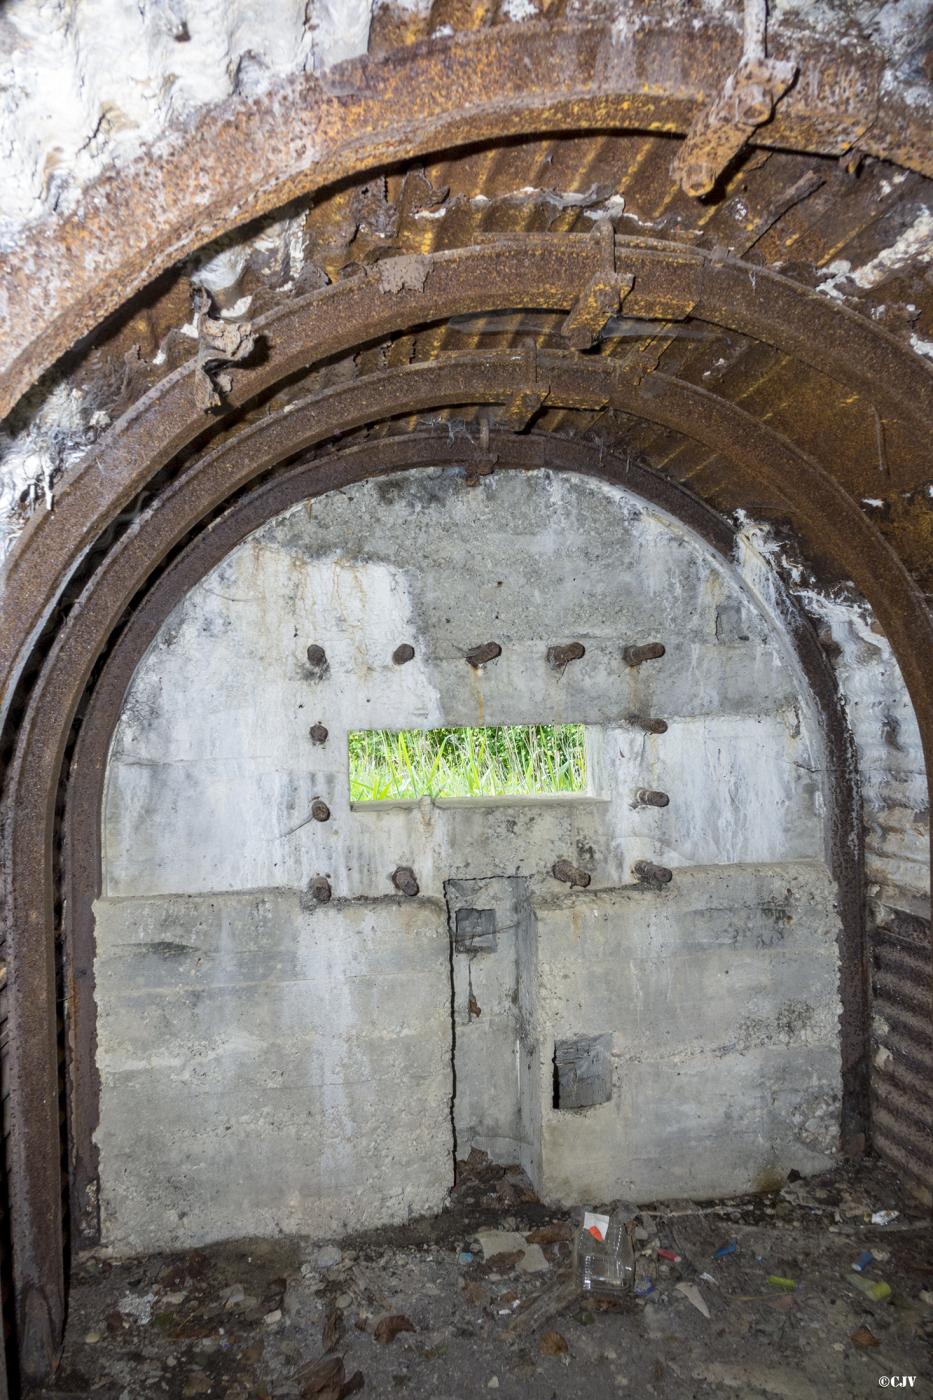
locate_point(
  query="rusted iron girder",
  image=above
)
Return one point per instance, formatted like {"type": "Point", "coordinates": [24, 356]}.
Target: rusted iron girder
{"type": "Point", "coordinates": [335, 471]}
{"type": "Point", "coordinates": [543, 271]}
{"type": "Point", "coordinates": [249, 156]}
{"type": "Point", "coordinates": [719, 133]}
{"type": "Point", "coordinates": [822, 511]}
{"type": "Point", "coordinates": [746, 101]}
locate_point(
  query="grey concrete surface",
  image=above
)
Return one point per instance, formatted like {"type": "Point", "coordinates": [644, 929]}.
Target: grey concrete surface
{"type": "Point", "coordinates": [263, 1057]}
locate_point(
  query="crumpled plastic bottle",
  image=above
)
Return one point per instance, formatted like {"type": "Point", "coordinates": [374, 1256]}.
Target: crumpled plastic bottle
{"type": "Point", "coordinates": [604, 1260]}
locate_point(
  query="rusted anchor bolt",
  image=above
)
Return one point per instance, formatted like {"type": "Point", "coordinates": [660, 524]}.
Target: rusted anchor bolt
{"type": "Point", "coordinates": [317, 660]}
{"type": "Point", "coordinates": [320, 890]}
{"type": "Point", "coordinates": [647, 797]}
{"type": "Point", "coordinates": [559, 657]}
{"type": "Point", "coordinates": [570, 875]}
{"type": "Point", "coordinates": [320, 810]}
{"type": "Point", "coordinates": [403, 653]}
{"type": "Point", "coordinates": [480, 655]}
{"type": "Point", "coordinates": [651, 651]}
{"type": "Point", "coordinates": [650, 726]}
{"type": "Point", "coordinates": [403, 878]}
{"type": "Point", "coordinates": [318, 733]}
{"type": "Point", "coordinates": [650, 874]}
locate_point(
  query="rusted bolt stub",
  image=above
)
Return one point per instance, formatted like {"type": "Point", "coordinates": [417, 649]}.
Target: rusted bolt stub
{"type": "Point", "coordinates": [570, 875]}
{"type": "Point", "coordinates": [650, 874]}
{"type": "Point", "coordinates": [651, 651]}
{"type": "Point", "coordinates": [647, 797]}
{"type": "Point", "coordinates": [320, 890]}
{"type": "Point", "coordinates": [403, 878]}
{"type": "Point", "coordinates": [650, 726]}
{"type": "Point", "coordinates": [403, 653]}
{"type": "Point", "coordinates": [318, 733]}
{"type": "Point", "coordinates": [317, 660]}
{"type": "Point", "coordinates": [320, 810]}
{"type": "Point", "coordinates": [559, 657]}
{"type": "Point", "coordinates": [480, 655]}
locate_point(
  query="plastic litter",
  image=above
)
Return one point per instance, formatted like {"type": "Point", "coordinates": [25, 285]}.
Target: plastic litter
{"type": "Point", "coordinates": [787, 1284]}
{"type": "Point", "coordinates": [863, 1261]}
{"type": "Point", "coordinates": [725, 1249]}
{"type": "Point", "coordinates": [694, 1296]}
{"type": "Point", "coordinates": [534, 1261]}
{"type": "Point", "coordinates": [643, 1287]}
{"type": "Point", "coordinates": [465, 1256]}
{"type": "Point", "coordinates": [884, 1217]}
{"type": "Point", "coordinates": [604, 1261]}
{"type": "Point", "coordinates": [670, 1254]}
{"type": "Point", "coordinates": [878, 1292]}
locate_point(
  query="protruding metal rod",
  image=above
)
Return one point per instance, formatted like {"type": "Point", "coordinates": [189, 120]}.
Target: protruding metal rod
{"type": "Point", "coordinates": [480, 655]}
{"type": "Point", "coordinates": [320, 889]}
{"type": "Point", "coordinates": [650, 874]}
{"type": "Point", "coordinates": [651, 651]}
{"type": "Point", "coordinates": [404, 880]}
{"type": "Point", "coordinates": [317, 660]}
{"type": "Point", "coordinates": [650, 726]}
{"type": "Point", "coordinates": [560, 656]}
{"type": "Point", "coordinates": [570, 874]}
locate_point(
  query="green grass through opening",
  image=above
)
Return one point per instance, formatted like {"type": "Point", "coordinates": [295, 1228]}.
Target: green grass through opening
{"type": "Point", "coordinates": [524, 760]}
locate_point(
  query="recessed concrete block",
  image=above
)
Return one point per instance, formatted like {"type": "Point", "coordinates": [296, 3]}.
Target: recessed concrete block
{"type": "Point", "coordinates": [475, 931]}
{"type": "Point", "coordinates": [732, 622]}
{"type": "Point", "coordinates": [583, 1071]}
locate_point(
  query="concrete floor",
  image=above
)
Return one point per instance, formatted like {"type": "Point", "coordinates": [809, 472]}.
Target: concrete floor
{"type": "Point", "coordinates": [251, 1318]}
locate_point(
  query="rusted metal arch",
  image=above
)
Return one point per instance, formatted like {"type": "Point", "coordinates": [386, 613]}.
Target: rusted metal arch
{"type": "Point", "coordinates": [34, 1117]}
{"type": "Point", "coordinates": [529, 271]}
{"type": "Point", "coordinates": [570, 380]}
{"type": "Point", "coordinates": [247, 157]}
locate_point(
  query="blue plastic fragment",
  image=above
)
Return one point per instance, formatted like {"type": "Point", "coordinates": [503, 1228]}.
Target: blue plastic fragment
{"type": "Point", "coordinates": [644, 1288]}
{"type": "Point", "coordinates": [725, 1249]}
{"type": "Point", "coordinates": [863, 1261]}
{"type": "Point", "coordinates": [466, 1256]}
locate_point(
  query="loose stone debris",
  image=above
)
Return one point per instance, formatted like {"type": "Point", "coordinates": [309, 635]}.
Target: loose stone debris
{"type": "Point", "coordinates": [483, 1297]}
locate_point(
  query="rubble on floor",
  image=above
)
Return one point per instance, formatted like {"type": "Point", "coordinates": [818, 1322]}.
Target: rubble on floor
{"type": "Point", "coordinates": [759, 1296]}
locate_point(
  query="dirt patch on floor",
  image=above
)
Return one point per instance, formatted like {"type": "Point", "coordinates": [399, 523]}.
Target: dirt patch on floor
{"type": "Point", "coordinates": [424, 1310]}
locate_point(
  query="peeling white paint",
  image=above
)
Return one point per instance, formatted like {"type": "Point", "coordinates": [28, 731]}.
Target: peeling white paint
{"type": "Point", "coordinates": [892, 769]}
{"type": "Point", "coordinates": [915, 245]}
{"type": "Point", "coordinates": [518, 10]}
{"type": "Point", "coordinates": [33, 457]}
{"type": "Point", "coordinates": [834, 274]}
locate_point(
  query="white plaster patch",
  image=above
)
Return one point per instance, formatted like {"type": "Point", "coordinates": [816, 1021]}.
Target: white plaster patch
{"type": "Point", "coordinates": [33, 458]}
{"type": "Point", "coordinates": [881, 717]}
{"type": "Point", "coordinates": [518, 10]}
{"type": "Point", "coordinates": [915, 245]}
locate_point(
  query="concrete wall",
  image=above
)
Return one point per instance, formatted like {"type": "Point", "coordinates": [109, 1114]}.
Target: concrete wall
{"type": "Point", "coordinates": [270, 1068]}
{"type": "Point", "coordinates": [207, 818]}
{"type": "Point", "coordinates": [717, 992]}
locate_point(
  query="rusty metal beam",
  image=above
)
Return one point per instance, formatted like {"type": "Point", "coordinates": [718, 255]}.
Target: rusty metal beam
{"type": "Point", "coordinates": [254, 155]}
{"type": "Point", "coordinates": [817, 505]}
{"type": "Point", "coordinates": [746, 101]}
{"type": "Point", "coordinates": [531, 271]}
